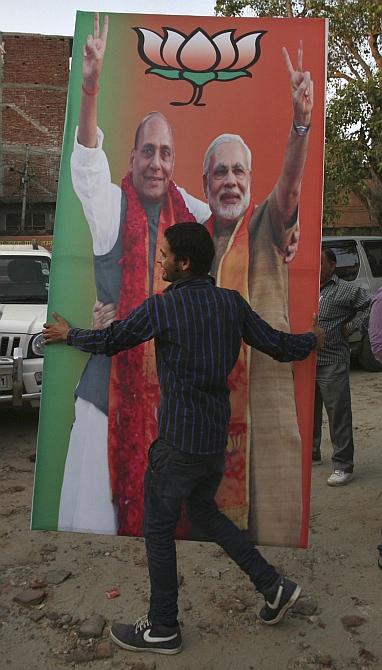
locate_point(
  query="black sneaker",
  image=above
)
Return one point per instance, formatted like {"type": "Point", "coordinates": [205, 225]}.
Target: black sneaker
{"type": "Point", "coordinates": [142, 636]}
{"type": "Point", "coordinates": [279, 599]}
{"type": "Point", "coordinates": [316, 458]}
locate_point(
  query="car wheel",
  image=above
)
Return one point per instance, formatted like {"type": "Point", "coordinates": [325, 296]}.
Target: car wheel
{"type": "Point", "coordinates": [366, 358]}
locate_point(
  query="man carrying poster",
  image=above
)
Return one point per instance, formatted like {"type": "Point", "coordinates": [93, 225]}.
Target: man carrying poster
{"type": "Point", "coordinates": [186, 461]}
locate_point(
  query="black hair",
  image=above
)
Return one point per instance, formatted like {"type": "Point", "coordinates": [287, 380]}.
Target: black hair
{"type": "Point", "coordinates": [330, 255]}
{"type": "Point", "coordinates": [193, 241]}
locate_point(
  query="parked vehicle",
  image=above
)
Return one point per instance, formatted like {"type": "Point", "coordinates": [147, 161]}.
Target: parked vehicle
{"type": "Point", "coordinates": [24, 283]}
{"type": "Point", "coordinates": [359, 260]}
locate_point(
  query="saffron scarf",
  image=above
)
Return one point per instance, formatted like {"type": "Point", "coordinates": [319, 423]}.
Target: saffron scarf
{"type": "Point", "coordinates": [134, 389]}
{"type": "Point", "coordinates": [233, 493]}
{"type": "Point", "coordinates": [264, 447]}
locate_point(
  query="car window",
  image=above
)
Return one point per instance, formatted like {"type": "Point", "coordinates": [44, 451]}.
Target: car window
{"type": "Point", "coordinates": [373, 251]}
{"type": "Point", "coordinates": [24, 279]}
{"type": "Point", "coordinates": [347, 258]}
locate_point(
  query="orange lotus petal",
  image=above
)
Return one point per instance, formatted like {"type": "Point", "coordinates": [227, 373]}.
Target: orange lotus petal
{"type": "Point", "coordinates": [172, 42]}
{"type": "Point", "coordinates": [224, 45]}
{"type": "Point", "coordinates": [247, 47]}
{"type": "Point", "coordinates": [198, 52]}
{"type": "Point", "coordinates": [150, 43]}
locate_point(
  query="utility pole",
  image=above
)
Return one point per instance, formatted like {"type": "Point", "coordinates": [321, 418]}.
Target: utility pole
{"type": "Point", "coordinates": [24, 182]}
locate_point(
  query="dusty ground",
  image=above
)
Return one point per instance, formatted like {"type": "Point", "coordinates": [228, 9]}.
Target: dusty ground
{"type": "Point", "coordinates": [338, 572]}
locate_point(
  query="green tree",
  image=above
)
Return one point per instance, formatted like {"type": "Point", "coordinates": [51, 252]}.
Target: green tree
{"type": "Point", "coordinates": [353, 156]}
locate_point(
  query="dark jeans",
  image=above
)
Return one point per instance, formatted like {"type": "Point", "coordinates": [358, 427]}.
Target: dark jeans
{"type": "Point", "coordinates": [171, 477]}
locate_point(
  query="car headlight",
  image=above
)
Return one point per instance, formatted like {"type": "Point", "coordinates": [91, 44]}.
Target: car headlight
{"type": "Point", "coordinates": [37, 346]}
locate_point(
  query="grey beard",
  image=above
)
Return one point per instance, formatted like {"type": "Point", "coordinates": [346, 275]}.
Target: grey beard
{"type": "Point", "coordinates": [229, 212]}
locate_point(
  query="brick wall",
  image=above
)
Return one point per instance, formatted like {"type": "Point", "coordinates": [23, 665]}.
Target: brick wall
{"type": "Point", "coordinates": [34, 72]}
{"type": "Point", "coordinates": [354, 219]}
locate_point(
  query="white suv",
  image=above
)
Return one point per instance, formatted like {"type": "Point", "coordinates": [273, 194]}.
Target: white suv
{"type": "Point", "coordinates": [24, 283]}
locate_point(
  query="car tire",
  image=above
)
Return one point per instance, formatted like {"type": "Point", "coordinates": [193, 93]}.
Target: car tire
{"type": "Point", "coordinates": [366, 358]}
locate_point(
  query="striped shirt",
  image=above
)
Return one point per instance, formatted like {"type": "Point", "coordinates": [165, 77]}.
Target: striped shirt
{"type": "Point", "coordinates": [341, 302]}
{"type": "Point", "coordinates": [198, 330]}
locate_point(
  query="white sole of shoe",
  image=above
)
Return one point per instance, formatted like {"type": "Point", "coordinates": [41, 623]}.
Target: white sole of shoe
{"type": "Point", "coordinates": [346, 481]}
{"type": "Point", "coordinates": [294, 597]}
{"type": "Point", "coordinates": [156, 650]}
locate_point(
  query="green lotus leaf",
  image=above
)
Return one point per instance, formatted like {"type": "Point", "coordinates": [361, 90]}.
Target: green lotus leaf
{"type": "Point", "coordinates": [167, 74]}
{"type": "Point", "coordinates": [228, 76]}
{"type": "Point", "coordinates": [199, 78]}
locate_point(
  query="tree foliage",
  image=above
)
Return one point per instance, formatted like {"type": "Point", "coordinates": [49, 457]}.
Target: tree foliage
{"type": "Point", "coordinates": [353, 156]}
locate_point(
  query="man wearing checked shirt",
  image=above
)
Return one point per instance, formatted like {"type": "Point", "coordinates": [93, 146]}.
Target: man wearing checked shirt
{"type": "Point", "coordinates": [198, 330]}
{"type": "Point", "coordinates": [344, 308]}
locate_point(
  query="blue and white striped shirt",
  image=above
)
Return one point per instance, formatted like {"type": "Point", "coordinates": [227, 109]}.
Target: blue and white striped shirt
{"type": "Point", "coordinates": [198, 329]}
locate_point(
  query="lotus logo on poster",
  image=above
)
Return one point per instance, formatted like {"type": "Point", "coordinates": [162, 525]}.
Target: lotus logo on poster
{"type": "Point", "coordinates": [198, 57]}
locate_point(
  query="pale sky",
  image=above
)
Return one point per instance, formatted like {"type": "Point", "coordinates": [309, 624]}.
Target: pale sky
{"type": "Point", "coordinates": [58, 17]}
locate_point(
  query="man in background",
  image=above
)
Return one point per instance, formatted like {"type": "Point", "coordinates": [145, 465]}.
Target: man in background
{"type": "Point", "coordinates": [344, 308]}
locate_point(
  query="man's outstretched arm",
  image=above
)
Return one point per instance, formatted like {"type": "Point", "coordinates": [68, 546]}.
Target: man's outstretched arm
{"type": "Point", "coordinates": [279, 345]}
{"type": "Point", "coordinates": [120, 335]}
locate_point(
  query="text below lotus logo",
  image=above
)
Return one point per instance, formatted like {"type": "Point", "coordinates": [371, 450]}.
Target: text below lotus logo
{"type": "Point", "coordinates": [198, 58]}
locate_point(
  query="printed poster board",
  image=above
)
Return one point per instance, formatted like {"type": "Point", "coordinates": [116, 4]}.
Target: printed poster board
{"type": "Point", "coordinates": [207, 76]}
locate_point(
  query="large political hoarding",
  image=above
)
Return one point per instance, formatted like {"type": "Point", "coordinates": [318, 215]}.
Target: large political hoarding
{"type": "Point", "coordinates": [204, 77]}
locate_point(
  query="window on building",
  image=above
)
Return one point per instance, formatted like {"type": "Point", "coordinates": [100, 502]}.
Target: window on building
{"type": "Point", "coordinates": [12, 222]}
{"type": "Point", "coordinates": [35, 222]}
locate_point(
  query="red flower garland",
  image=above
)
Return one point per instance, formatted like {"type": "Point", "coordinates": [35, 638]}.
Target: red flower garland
{"type": "Point", "coordinates": [132, 396]}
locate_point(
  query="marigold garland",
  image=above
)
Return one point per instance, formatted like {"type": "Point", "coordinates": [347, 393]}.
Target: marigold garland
{"type": "Point", "coordinates": [133, 396]}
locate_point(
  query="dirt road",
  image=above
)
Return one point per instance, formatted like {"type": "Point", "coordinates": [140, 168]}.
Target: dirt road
{"type": "Point", "coordinates": [338, 624]}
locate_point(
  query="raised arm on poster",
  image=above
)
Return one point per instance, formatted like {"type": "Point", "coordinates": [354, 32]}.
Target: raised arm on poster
{"type": "Point", "coordinates": [94, 52]}
{"type": "Point", "coordinates": [151, 164]}
{"type": "Point", "coordinates": [228, 192]}
{"type": "Point", "coordinates": [288, 187]}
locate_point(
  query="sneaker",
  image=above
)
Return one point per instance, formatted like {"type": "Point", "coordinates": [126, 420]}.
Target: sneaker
{"type": "Point", "coordinates": [283, 594]}
{"type": "Point", "coordinates": [339, 478]}
{"type": "Point", "coordinates": [316, 459]}
{"type": "Point", "coordinates": [142, 636]}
